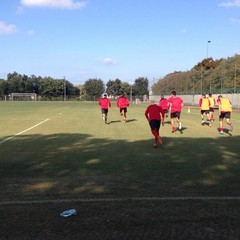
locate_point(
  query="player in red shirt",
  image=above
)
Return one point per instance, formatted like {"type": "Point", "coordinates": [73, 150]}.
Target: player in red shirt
{"type": "Point", "coordinates": [104, 103]}
{"type": "Point", "coordinates": [164, 104]}
{"type": "Point", "coordinates": [175, 104]}
{"type": "Point", "coordinates": [155, 115]}
{"type": "Point", "coordinates": [122, 104]}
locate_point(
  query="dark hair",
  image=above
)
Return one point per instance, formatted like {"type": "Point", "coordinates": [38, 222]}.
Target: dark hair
{"type": "Point", "coordinates": [173, 93]}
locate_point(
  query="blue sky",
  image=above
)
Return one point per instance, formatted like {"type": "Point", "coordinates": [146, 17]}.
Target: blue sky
{"type": "Point", "coordinates": [111, 39]}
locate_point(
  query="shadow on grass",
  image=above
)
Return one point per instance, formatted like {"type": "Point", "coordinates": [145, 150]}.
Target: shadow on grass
{"type": "Point", "coordinates": [78, 165]}
{"type": "Point", "coordinates": [116, 121]}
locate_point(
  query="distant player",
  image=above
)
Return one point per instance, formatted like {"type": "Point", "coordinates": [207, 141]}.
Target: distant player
{"type": "Point", "coordinates": [204, 105]}
{"type": "Point", "coordinates": [225, 110]}
{"type": "Point", "coordinates": [211, 107]}
{"type": "Point", "coordinates": [123, 104]}
{"type": "Point", "coordinates": [104, 103]}
{"type": "Point", "coordinates": [175, 104]}
{"type": "Point", "coordinates": [155, 115]}
{"type": "Point", "coordinates": [164, 104]}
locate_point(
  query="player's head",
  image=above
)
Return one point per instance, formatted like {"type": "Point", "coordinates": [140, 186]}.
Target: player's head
{"type": "Point", "coordinates": [210, 94]}
{"type": "Point", "coordinates": [105, 95]}
{"type": "Point", "coordinates": [162, 96]}
{"type": "Point", "coordinates": [220, 96]}
{"type": "Point", "coordinates": [122, 93]}
{"type": "Point", "coordinates": [174, 93]}
{"type": "Point", "coordinates": [203, 95]}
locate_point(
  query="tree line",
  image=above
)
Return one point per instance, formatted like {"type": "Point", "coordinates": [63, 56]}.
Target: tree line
{"type": "Point", "coordinates": [93, 88]}
{"type": "Point", "coordinates": [49, 88]}
{"type": "Point", "coordinates": [215, 76]}
{"type": "Point", "coordinates": [46, 87]}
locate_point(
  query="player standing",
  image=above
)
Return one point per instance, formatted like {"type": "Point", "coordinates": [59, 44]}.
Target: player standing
{"type": "Point", "coordinates": [155, 115]}
{"type": "Point", "coordinates": [175, 104]}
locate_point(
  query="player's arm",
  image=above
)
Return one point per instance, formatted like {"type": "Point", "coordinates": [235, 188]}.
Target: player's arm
{"type": "Point", "coordinates": [146, 114]}
{"type": "Point", "coordinates": [162, 116]}
{"type": "Point", "coordinates": [200, 102]}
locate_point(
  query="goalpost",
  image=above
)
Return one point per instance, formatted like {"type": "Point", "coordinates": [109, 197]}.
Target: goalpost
{"type": "Point", "coordinates": [23, 96]}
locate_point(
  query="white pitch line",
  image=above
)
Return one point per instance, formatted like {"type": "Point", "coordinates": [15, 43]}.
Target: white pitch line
{"type": "Point", "coordinates": [9, 138]}
{"type": "Point", "coordinates": [90, 200]}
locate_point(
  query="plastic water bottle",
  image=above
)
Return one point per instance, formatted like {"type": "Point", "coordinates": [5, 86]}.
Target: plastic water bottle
{"type": "Point", "coordinates": [68, 213]}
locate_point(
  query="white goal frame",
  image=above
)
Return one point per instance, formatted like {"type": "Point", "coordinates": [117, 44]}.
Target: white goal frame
{"type": "Point", "coordinates": [23, 96]}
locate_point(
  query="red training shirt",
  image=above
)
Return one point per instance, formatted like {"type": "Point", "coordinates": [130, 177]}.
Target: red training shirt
{"type": "Point", "coordinates": [122, 102]}
{"type": "Point", "coordinates": [176, 103]}
{"type": "Point", "coordinates": [163, 103]}
{"type": "Point", "coordinates": [104, 103]}
{"type": "Point", "coordinates": [154, 112]}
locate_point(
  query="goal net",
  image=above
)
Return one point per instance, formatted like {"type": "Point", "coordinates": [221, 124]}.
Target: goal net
{"type": "Point", "coordinates": [23, 96]}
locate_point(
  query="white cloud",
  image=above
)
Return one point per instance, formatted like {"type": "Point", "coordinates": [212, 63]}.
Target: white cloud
{"type": "Point", "coordinates": [69, 4]}
{"type": "Point", "coordinates": [7, 28]}
{"type": "Point", "coordinates": [235, 21]}
{"type": "Point", "coordinates": [30, 32]}
{"type": "Point", "coordinates": [108, 61]}
{"type": "Point", "coordinates": [233, 3]}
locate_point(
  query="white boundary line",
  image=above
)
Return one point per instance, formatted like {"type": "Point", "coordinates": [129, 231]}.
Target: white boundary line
{"type": "Point", "coordinates": [91, 200]}
{"type": "Point", "coordinates": [9, 138]}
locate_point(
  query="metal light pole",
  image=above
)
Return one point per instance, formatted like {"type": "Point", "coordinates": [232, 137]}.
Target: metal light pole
{"type": "Point", "coordinates": [207, 47]}
{"type": "Point", "coordinates": [131, 93]}
{"type": "Point", "coordinates": [210, 81]}
{"type": "Point", "coordinates": [64, 88]}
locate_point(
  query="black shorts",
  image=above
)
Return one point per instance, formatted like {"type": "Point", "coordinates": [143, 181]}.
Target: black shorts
{"type": "Point", "coordinates": [104, 110]}
{"type": "Point", "coordinates": [123, 109]}
{"type": "Point", "coordinates": [155, 124]}
{"type": "Point", "coordinates": [175, 115]}
{"type": "Point", "coordinates": [165, 110]}
{"type": "Point", "coordinates": [225, 115]}
{"type": "Point", "coordinates": [204, 111]}
{"type": "Point", "coordinates": [211, 109]}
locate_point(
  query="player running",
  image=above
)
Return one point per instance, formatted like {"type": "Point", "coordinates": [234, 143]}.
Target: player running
{"type": "Point", "coordinates": [164, 104]}
{"type": "Point", "coordinates": [155, 115]}
{"type": "Point", "coordinates": [175, 104]}
{"type": "Point", "coordinates": [104, 103]}
{"type": "Point", "coordinates": [211, 107]}
{"type": "Point", "coordinates": [204, 104]}
{"type": "Point", "coordinates": [122, 104]}
{"type": "Point", "coordinates": [225, 109]}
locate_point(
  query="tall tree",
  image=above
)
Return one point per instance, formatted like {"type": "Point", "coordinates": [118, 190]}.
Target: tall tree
{"type": "Point", "coordinates": [140, 86]}
{"type": "Point", "coordinates": [114, 87]}
{"type": "Point", "coordinates": [94, 89]}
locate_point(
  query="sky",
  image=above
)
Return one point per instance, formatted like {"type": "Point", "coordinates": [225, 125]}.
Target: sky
{"type": "Point", "coordinates": [109, 39]}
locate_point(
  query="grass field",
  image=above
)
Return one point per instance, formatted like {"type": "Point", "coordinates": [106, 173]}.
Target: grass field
{"type": "Point", "coordinates": [60, 155]}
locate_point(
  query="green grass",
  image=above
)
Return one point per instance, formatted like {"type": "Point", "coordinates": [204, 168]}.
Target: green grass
{"type": "Point", "coordinates": [74, 155]}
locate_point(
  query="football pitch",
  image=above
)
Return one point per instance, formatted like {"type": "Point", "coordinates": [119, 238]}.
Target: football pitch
{"type": "Point", "coordinates": [56, 156]}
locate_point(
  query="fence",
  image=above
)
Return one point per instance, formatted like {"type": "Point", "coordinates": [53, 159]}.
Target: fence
{"type": "Point", "coordinates": [194, 99]}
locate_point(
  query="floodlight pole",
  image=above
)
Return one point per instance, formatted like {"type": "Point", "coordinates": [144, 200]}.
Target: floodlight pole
{"type": "Point", "coordinates": [207, 47]}
{"type": "Point", "coordinates": [64, 88]}
{"type": "Point", "coordinates": [131, 93]}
